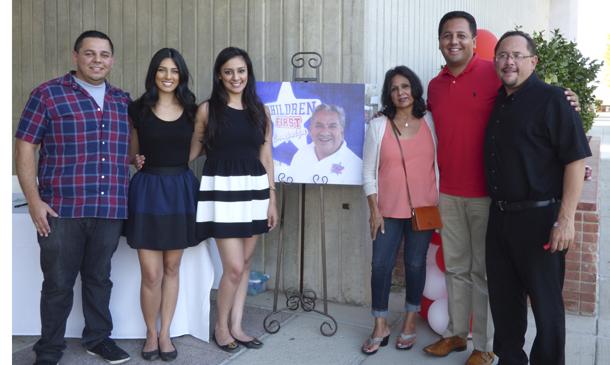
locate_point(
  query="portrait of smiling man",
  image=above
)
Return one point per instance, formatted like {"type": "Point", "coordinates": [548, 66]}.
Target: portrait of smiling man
{"type": "Point", "coordinates": [327, 133]}
{"type": "Point", "coordinates": [327, 155]}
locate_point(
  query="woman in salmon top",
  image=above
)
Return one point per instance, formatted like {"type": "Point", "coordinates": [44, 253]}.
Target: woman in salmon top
{"type": "Point", "coordinates": [385, 185]}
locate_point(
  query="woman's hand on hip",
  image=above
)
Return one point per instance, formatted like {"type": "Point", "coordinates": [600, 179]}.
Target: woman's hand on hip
{"type": "Point", "coordinates": [139, 161]}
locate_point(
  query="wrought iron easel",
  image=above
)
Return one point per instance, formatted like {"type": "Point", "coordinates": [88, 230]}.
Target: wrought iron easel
{"type": "Point", "coordinates": [304, 298]}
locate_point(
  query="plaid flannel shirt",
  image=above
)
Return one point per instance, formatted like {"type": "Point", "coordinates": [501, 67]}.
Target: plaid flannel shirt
{"type": "Point", "coordinates": [83, 168]}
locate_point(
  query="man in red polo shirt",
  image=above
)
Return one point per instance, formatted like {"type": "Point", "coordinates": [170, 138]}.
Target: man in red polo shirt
{"type": "Point", "coordinates": [461, 99]}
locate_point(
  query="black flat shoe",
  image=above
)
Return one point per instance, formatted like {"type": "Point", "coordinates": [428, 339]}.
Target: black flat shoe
{"type": "Point", "coordinates": [170, 355]}
{"type": "Point", "coordinates": [230, 347]}
{"type": "Point", "coordinates": [254, 343]}
{"type": "Point", "coordinates": [150, 355]}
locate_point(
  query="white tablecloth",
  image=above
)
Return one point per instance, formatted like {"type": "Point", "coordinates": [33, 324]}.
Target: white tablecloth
{"type": "Point", "coordinates": [192, 310]}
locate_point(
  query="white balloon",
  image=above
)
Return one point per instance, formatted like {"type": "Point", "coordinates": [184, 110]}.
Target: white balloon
{"type": "Point", "coordinates": [431, 256]}
{"type": "Point", "coordinates": [435, 286]}
{"type": "Point", "coordinates": [438, 316]}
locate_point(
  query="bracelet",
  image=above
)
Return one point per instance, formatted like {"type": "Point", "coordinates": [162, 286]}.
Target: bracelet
{"type": "Point", "coordinates": [272, 188]}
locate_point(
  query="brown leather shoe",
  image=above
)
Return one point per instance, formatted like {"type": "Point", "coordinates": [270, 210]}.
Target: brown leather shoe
{"type": "Point", "coordinates": [480, 358]}
{"type": "Point", "coordinates": [445, 346]}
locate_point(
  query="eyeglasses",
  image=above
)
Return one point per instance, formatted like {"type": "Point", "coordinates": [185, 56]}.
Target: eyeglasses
{"type": "Point", "coordinates": [517, 57]}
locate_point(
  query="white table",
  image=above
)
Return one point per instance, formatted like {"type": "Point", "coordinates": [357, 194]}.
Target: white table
{"type": "Point", "coordinates": [192, 310]}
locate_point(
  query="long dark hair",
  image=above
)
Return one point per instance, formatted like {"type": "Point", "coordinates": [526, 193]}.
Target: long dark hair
{"type": "Point", "coordinates": [417, 92]}
{"type": "Point", "coordinates": [219, 97]}
{"type": "Point", "coordinates": [185, 96]}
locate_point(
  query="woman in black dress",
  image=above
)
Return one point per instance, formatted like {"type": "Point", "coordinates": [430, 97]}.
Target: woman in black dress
{"type": "Point", "coordinates": [162, 195]}
{"type": "Point", "coordinates": [237, 193]}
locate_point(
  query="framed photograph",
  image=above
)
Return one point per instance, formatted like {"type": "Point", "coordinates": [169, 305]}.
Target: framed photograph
{"type": "Point", "coordinates": [318, 131]}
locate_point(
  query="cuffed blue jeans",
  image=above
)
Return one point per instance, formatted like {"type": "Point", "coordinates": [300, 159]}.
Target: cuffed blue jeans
{"type": "Point", "coordinates": [385, 248]}
{"type": "Point", "coordinates": [75, 245]}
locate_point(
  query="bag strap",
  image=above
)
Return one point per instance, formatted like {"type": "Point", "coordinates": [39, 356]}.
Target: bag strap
{"type": "Point", "coordinates": [402, 157]}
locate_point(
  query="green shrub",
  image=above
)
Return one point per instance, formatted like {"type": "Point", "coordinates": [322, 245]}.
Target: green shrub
{"type": "Point", "coordinates": [562, 64]}
{"type": "Point", "coordinates": [598, 105]}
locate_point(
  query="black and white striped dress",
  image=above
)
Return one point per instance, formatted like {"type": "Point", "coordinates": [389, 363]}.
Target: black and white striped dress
{"type": "Point", "coordinates": [234, 190]}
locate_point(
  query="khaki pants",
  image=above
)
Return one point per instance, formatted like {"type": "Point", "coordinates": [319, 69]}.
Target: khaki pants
{"type": "Point", "coordinates": [463, 233]}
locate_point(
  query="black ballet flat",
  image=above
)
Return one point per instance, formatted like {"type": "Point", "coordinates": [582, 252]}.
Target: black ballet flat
{"type": "Point", "coordinates": [230, 347]}
{"type": "Point", "coordinates": [170, 355]}
{"type": "Point", "coordinates": [150, 355]}
{"type": "Point", "coordinates": [254, 343]}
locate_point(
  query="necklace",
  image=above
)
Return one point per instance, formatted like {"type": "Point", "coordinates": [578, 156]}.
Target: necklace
{"type": "Point", "coordinates": [406, 122]}
{"type": "Point", "coordinates": [403, 119]}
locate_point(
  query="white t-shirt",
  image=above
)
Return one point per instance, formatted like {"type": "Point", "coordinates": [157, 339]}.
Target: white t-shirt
{"type": "Point", "coordinates": [96, 91]}
{"type": "Point", "coordinates": [342, 167]}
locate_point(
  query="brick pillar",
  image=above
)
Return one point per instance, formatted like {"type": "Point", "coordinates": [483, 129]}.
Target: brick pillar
{"type": "Point", "coordinates": [580, 290]}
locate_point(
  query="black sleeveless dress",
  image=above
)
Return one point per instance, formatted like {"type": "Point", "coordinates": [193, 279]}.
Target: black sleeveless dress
{"type": "Point", "coordinates": [234, 191]}
{"type": "Point", "coordinates": [162, 199]}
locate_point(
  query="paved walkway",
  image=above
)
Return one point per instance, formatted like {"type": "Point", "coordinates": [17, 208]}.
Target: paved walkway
{"type": "Point", "coordinates": [601, 128]}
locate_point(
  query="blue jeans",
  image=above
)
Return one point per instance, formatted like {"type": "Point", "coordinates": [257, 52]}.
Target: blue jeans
{"type": "Point", "coordinates": [75, 245]}
{"type": "Point", "coordinates": [385, 247]}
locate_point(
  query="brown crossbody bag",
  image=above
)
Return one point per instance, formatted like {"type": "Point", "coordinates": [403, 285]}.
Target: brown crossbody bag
{"type": "Point", "coordinates": [422, 218]}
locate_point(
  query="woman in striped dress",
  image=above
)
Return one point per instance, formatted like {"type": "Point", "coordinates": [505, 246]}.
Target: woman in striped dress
{"type": "Point", "coordinates": [237, 195]}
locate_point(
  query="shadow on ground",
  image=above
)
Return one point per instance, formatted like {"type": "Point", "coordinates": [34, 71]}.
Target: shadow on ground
{"type": "Point", "coordinates": [190, 349]}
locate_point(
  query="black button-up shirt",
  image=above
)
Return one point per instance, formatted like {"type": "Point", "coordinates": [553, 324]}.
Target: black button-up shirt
{"type": "Point", "coordinates": [532, 134]}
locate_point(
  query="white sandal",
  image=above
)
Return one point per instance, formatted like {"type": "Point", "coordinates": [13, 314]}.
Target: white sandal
{"type": "Point", "coordinates": [372, 341]}
{"type": "Point", "coordinates": [409, 338]}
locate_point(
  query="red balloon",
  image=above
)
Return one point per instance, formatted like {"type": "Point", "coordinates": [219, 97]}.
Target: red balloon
{"type": "Point", "coordinates": [425, 305]}
{"type": "Point", "coordinates": [440, 261]}
{"type": "Point", "coordinates": [436, 238]}
{"type": "Point", "coordinates": [486, 42]}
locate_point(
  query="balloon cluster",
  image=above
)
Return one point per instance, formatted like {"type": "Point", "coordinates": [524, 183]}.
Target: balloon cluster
{"type": "Point", "coordinates": [434, 303]}
{"type": "Point", "coordinates": [486, 43]}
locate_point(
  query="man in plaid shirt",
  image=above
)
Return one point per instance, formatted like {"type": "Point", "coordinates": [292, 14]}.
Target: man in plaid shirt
{"type": "Point", "coordinates": [79, 202]}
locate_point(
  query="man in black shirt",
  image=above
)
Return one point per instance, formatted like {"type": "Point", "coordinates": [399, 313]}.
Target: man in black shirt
{"type": "Point", "coordinates": [535, 148]}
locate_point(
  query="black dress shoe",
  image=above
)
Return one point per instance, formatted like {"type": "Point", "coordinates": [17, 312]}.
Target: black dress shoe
{"type": "Point", "coordinates": [170, 355]}
{"type": "Point", "coordinates": [254, 343]}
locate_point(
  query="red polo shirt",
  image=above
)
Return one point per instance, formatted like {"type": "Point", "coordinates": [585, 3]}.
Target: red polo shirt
{"type": "Point", "coordinates": [461, 106]}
